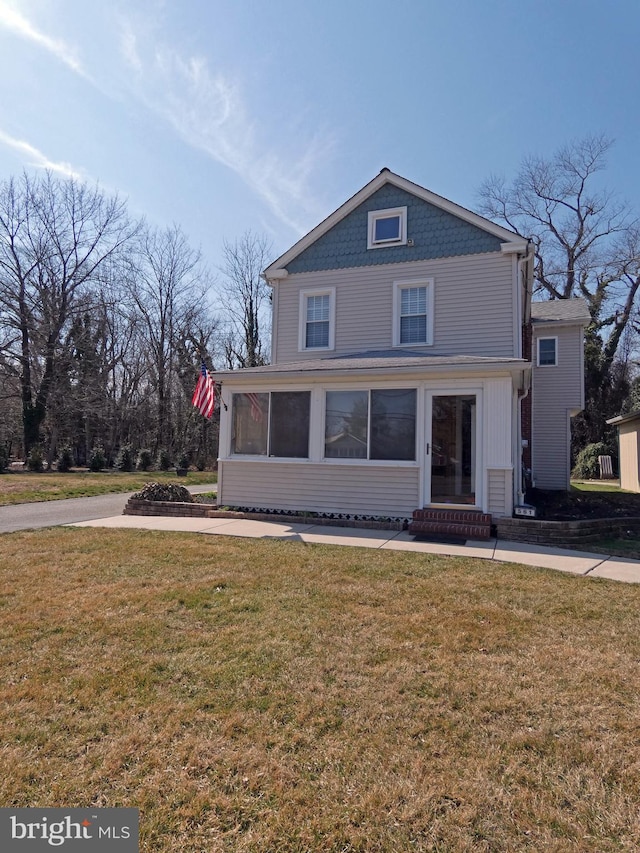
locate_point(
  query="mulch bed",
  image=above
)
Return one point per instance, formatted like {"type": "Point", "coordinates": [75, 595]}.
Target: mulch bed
{"type": "Point", "coordinates": [576, 505]}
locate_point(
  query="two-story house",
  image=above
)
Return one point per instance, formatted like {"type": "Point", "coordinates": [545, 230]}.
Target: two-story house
{"type": "Point", "coordinates": [400, 362]}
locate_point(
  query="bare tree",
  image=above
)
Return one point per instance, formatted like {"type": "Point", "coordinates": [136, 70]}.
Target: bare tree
{"type": "Point", "coordinates": [246, 299]}
{"type": "Point", "coordinates": [54, 237]}
{"type": "Point", "coordinates": [168, 290]}
{"type": "Point", "coordinates": [586, 244]}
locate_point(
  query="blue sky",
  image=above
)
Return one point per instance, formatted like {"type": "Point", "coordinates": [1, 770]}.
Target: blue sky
{"type": "Point", "coordinates": [227, 115]}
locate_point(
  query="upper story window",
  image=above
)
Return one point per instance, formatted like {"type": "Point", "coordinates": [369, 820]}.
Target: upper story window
{"type": "Point", "coordinates": [317, 319]}
{"type": "Point", "coordinates": [547, 352]}
{"type": "Point", "coordinates": [387, 227]}
{"type": "Point", "coordinates": [413, 313]}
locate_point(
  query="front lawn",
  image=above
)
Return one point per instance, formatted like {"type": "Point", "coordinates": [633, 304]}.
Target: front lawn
{"type": "Point", "coordinates": [253, 696]}
{"type": "Point", "coordinates": [27, 487]}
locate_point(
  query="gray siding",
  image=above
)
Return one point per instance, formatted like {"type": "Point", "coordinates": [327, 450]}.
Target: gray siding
{"type": "Point", "coordinates": [557, 392]}
{"type": "Point", "coordinates": [436, 233]}
{"type": "Point", "coordinates": [364, 490]}
{"type": "Point", "coordinates": [473, 307]}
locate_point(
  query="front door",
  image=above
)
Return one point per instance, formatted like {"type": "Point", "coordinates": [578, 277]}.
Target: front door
{"type": "Point", "coordinates": [451, 471]}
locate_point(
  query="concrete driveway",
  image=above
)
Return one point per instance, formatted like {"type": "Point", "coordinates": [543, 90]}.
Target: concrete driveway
{"type": "Point", "coordinates": [68, 511]}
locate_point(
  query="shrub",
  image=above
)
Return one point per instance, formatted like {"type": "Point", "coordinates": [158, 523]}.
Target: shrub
{"type": "Point", "coordinates": [34, 459]}
{"type": "Point", "coordinates": [164, 459]}
{"type": "Point", "coordinates": [587, 467]}
{"type": "Point", "coordinates": [97, 459]}
{"type": "Point", "coordinates": [124, 459]}
{"type": "Point", "coordinates": [144, 461]}
{"type": "Point", "coordinates": [65, 459]}
{"type": "Point", "coordinates": [164, 492]}
{"type": "Point", "coordinates": [4, 459]}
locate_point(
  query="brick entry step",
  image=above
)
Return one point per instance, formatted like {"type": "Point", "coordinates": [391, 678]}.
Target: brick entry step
{"type": "Point", "coordinates": [463, 523]}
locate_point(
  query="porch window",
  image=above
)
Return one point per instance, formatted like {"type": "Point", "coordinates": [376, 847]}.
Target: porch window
{"type": "Point", "coordinates": [289, 424]}
{"type": "Point", "coordinates": [250, 424]}
{"type": "Point", "coordinates": [376, 424]}
{"type": "Point", "coordinates": [273, 424]}
{"type": "Point", "coordinates": [346, 424]}
{"type": "Point", "coordinates": [393, 424]}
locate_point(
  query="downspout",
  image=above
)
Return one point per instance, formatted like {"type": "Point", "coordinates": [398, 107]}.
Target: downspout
{"type": "Point", "coordinates": [525, 278]}
{"type": "Point", "coordinates": [523, 393]}
{"type": "Point", "coordinates": [272, 280]}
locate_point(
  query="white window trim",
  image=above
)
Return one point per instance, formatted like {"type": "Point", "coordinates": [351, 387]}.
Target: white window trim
{"type": "Point", "coordinates": [398, 287]}
{"type": "Point", "coordinates": [547, 338]}
{"type": "Point", "coordinates": [374, 215]}
{"type": "Point", "coordinates": [367, 387]}
{"type": "Point", "coordinates": [302, 319]}
{"type": "Point", "coordinates": [267, 457]}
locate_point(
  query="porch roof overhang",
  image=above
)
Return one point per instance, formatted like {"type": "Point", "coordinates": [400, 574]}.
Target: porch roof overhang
{"type": "Point", "coordinates": [379, 364]}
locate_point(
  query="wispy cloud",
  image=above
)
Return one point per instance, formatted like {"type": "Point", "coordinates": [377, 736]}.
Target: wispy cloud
{"type": "Point", "coordinates": [208, 111]}
{"type": "Point", "coordinates": [17, 23]}
{"type": "Point", "coordinates": [37, 158]}
{"type": "Point", "coordinates": [204, 106]}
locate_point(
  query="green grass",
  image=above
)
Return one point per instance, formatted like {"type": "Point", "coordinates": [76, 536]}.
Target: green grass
{"type": "Point", "coordinates": [253, 696]}
{"type": "Point", "coordinates": [628, 547]}
{"type": "Point", "coordinates": [30, 487]}
{"type": "Point", "coordinates": [597, 486]}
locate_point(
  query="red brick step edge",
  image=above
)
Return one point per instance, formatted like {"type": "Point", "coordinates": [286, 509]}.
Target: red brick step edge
{"type": "Point", "coordinates": [466, 524]}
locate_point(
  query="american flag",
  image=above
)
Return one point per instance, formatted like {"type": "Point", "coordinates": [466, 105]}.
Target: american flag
{"type": "Point", "coordinates": [256, 409]}
{"type": "Point", "coordinates": [204, 396]}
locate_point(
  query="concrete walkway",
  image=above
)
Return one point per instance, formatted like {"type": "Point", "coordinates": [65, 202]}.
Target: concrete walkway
{"type": "Point", "coordinates": [562, 559]}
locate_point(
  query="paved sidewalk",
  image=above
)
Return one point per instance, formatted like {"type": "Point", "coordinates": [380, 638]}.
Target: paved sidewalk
{"type": "Point", "coordinates": [562, 559]}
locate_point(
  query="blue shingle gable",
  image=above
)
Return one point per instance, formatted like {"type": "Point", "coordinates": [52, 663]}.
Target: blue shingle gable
{"type": "Point", "coordinates": [435, 233]}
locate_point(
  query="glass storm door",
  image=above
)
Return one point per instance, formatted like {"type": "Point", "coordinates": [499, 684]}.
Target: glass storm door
{"type": "Point", "coordinates": [451, 450]}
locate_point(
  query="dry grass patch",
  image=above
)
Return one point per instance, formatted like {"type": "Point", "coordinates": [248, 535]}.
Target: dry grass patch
{"type": "Point", "coordinates": [30, 487]}
{"type": "Point", "coordinates": [273, 696]}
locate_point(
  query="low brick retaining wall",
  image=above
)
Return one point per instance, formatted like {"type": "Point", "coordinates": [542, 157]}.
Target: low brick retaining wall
{"type": "Point", "coordinates": [176, 509]}
{"type": "Point", "coordinates": [565, 533]}
{"type": "Point", "coordinates": [575, 534]}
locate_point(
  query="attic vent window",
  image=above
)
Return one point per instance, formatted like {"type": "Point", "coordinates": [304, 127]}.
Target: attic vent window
{"type": "Point", "coordinates": [387, 228]}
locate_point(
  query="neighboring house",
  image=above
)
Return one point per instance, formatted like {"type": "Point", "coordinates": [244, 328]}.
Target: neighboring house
{"type": "Point", "coordinates": [399, 369]}
{"type": "Point", "coordinates": [629, 449]}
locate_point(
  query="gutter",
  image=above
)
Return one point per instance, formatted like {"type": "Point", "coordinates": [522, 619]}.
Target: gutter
{"type": "Point", "coordinates": [524, 310]}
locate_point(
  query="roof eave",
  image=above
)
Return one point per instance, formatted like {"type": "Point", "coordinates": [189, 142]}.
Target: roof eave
{"type": "Point", "coordinates": [543, 322]}
{"type": "Point", "coordinates": [320, 374]}
{"type": "Point", "coordinates": [622, 419]}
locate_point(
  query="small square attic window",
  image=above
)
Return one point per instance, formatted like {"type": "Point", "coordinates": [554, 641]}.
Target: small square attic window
{"type": "Point", "coordinates": [387, 227]}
